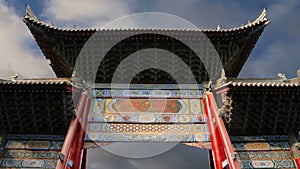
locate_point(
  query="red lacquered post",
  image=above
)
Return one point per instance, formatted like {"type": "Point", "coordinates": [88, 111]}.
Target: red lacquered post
{"type": "Point", "coordinates": [70, 137]}
{"type": "Point", "coordinates": [78, 147]}
{"type": "Point", "coordinates": [217, 149]}
{"type": "Point", "coordinates": [223, 135]}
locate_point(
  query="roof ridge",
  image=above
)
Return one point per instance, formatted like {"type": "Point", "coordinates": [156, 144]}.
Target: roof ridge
{"type": "Point", "coordinates": [260, 19]}
{"type": "Point", "coordinates": [36, 81]}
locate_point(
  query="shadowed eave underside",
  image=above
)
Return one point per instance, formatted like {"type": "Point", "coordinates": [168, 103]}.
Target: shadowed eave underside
{"type": "Point", "coordinates": [266, 106]}
{"type": "Point", "coordinates": [62, 46]}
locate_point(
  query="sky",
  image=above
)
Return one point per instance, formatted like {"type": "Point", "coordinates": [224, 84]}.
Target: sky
{"type": "Point", "coordinates": [276, 50]}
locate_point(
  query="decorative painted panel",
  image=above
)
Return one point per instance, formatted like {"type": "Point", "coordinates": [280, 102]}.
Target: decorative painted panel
{"type": "Point", "coordinates": [147, 132]}
{"type": "Point", "coordinates": [123, 137]}
{"type": "Point", "coordinates": [268, 164]}
{"type": "Point", "coordinates": [107, 93]}
{"type": "Point", "coordinates": [262, 155]}
{"type": "Point", "coordinates": [147, 128]}
{"type": "Point", "coordinates": [147, 110]}
{"type": "Point", "coordinates": [267, 151]}
{"type": "Point", "coordinates": [259, 138]}
{"type": "Point", "coordinates": [34, 145]}
{"type": "Point", "coordinates": [31, 151]}
{"type": "Point", "coordinates": [147, 113]}
{"type": "Point", "coordinates": [146, 118]}
{"type": "Point", "coordinates": [101, 86]}
{"type": "Point", "coordinates": [261, 146]}
{"type": "Point", "coordinates": [34, 137]}
{"type": "Point", "coordinates": [30, 154]}
{"type": "Point", "coordinates": [17, 163]}
{"type": "Point", "coordinates": [296, 150]}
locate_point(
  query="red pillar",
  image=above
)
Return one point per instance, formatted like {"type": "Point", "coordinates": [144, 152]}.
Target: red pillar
{"type": "Point", "coordinates": [217, 149]}
{"type": "Point", "coordinates": [223, 135]}
{"type": "Point", "coordinates": [211, 160]}
{"type": "Point", "coordinates": [77, 149]}
{"type": "Point", "coordinates": [70, 137]}
{"type": "Point", "coordinates": [83, 165]}
{"type": "Point", "coordinates": [297, 162]}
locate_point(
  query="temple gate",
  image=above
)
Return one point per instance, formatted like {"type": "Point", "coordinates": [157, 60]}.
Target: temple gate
{"type": "Point", "coordinates": [255, 125]}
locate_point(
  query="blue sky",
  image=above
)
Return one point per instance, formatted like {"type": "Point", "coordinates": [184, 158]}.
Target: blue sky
{"type": "Point", "coordinates": [276, 50]}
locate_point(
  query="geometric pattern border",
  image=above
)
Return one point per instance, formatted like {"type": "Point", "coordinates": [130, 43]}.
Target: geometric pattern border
{"type": "Point", "coordinates": [107, 93]}
{"type": "Point", "coordinates": [35, 137]}
{"type": "Point", "coordinates": [116, 132]}
{"type": "Point", "coordinates": [160, 138]}
{"type": "Point", "coordinates": [268, 164]}
{"type": "Point", "coordinates": [147, 86]}
{"type": "Point", "coordinates": [259, 138]}
{"type": "Point", "coordinates": [30, 154]}
{"type": "Point", "coordinates": [27, 163]}
{"type": "Point", "coordinates": [34, 145]}
{"type": "Point", "coordinates": [134, 128]}
{"type": "Point", "coordinates": [296, 150]}
{"type": "Point", "coordinates": [256, 146]}
{"type": "Point", "coordinates": [264, 155]}
{"type": "Point", "coordinates": [147, 118]}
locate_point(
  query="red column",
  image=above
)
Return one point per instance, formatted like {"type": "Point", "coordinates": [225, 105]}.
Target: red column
{"type": "Point", "coordinates": [77, 149]}
{"type": "Point", "coordinates": [217, 149]}
{"type": "Point", "coordinates": [70, 137]}
{"type": "Point", "coordinates": [211, 160]}
{"type": "Point", "coordinates": [224, 137]}
{"type": "Point", "coordinates": [83, 165]}
{"type": "Point", "coordinates": [297, 162]}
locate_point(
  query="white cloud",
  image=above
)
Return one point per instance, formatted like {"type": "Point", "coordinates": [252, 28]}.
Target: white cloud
{"type": "Point", "coordinates": [280, 57]}
{"type": "Point", "coordinates": [88, 13]}
{"type": "Point", "coordinates": [205, 13]}
{"type": "Point", "coordinates": [279, 43]}
{"type": "Point", "coordinates": [16, 55]}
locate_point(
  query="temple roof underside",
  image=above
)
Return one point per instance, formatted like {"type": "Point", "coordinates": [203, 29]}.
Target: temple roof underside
{"type": "Point", "coordinates": [249, 106]}
{"type": "Point", "coordinates": [260, 106]}
{"type": "Point", "coordinates": [62, 46]}
{"type": "Point", "coordinates": [35, 106]}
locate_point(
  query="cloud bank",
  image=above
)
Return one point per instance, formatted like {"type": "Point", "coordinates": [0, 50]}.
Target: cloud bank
{"type": "Point", "coordinates": [16, 54]}
{"type": "Point", "coordinates": [88, 13]}
{"type": "Point", "coordinates": [276, 51]}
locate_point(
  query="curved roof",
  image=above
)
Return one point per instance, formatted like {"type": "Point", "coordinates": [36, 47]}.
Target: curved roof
{"type": "Point", "coordinates": [262, 82]}
{"type": "Point", "coordinates": [57, 81]}
{"type": "Point", "coordinates": [260, 20]}
{"type": "Point", "coordinates": [62, 46]}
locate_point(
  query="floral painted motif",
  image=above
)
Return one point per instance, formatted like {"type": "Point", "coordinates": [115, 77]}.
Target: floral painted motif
{"type": "Point", "coordinates": [139, 110]}
{"type": "Point", "coordinates": [145, 105]}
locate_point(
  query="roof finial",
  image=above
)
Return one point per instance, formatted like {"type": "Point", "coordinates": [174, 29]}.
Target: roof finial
{"type": "Point", "coordinates": [30, 13]}
{"type": "Point", "coordinates": [262, 17]}
{"type": "Point", "coordinates": [218, 28]}
{"type": "Point", "coordinates": [14, 77]}
{"type": "Point", "coordinates": [297, 79]}
{"type": "Point", "coordinates": [222, 79]}
{"type": "Point", "coordinates": [281, 76]}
